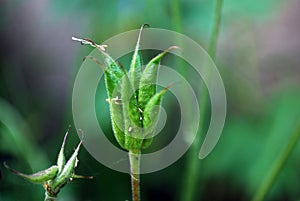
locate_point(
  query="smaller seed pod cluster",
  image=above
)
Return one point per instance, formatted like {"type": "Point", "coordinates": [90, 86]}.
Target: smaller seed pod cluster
{"type": "Point", "coordinates": [57, 176]}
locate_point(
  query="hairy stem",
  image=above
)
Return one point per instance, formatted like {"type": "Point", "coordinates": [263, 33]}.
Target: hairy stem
{"type": "Point", "coordinates": [277, 166]}
{"type": "Point", "coordinates": [134, 160]}
{"type": "Point", "coordinates": [193, 165]}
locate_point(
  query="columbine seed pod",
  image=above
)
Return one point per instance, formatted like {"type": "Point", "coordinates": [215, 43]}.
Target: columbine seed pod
{"type": "Point", "coordinates": [133, 114]}
{"type": "Point", "coordinates": [133, 103]}
{"type": "Point", "coordinates": [66, 172]}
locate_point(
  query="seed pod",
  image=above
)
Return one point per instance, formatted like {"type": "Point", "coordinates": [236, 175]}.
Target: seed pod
{"type": "Point", "coordinates": [57, 176]}
{"type": "Point", "coordinates": [114, 73]}
{"type": "Point", "coordinates": [66, 173]}
{"type": "Point", "coordinates": [134, 116]}
{"type": "Point", "coordinates": [147, 87]}
{"type": "Point", "coordinates": [135, 73]}
{"type": "Point", "coordinates": [61, 160]}
{"type": "Point", "coordinates": [135, 70]}
{"type": "Point", "coordinates": [39, 177]}
{"type": "Point", "coordinates": [151, 113]}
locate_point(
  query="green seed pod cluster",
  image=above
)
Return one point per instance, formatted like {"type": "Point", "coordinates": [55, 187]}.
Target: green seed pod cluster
{"type": "Point", "coordinates": [132, 96]}
{"type": "Point", "coordinates": [57, 176]}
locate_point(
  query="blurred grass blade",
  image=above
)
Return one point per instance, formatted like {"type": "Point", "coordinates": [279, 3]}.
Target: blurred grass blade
{"type": "Point", "coordinates": [17, 137]}
{"type": "Point", "coordinates": [278, 166]}
{"type": "Point", "coordinates": [192, 171]}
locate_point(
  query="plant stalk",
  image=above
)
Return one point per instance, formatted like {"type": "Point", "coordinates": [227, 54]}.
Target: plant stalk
{"type": "Point", "coordinates": [193, 168]}
{"type": "Point", "coordinates": [212, 46]}
{"type": "Point", "coordinates": [176, 15]}
{"type": "Point", "coordinates": [134, 160]}
{"type": "Point", "coordinates": [177, 26]}
{"type": "Point", "coordinates": [277, 166]}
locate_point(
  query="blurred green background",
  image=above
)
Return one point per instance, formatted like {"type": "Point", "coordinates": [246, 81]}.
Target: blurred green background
{"type": "Point", "coordinates": [258, 59]}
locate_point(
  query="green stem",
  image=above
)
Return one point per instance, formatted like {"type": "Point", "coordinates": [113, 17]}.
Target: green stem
{"type": "Point", "coordinates": [176, 15]}
{"type": "Point", "coordinates": [212, 46]}
{"type": "Point", "coordinates": [193, 168]}
{"type": "Point", "coordinates": [134, 160]}
{"type": "Point", "coordinates": [277, 166]}
{"type": "Point", "coordinates": [49, 198]}
{"type": "Point", "coordinates": [177, 26]}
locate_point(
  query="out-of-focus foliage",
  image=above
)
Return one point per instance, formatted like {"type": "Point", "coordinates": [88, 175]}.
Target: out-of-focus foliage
{"type": "Point", "coordinates": [258, 58]}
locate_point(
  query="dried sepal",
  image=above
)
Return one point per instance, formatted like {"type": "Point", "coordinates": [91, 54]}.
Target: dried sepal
{"type": "Point", "coordinates": [75, 176]}
{"type": "Point", "coordinates": [89, 42]}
